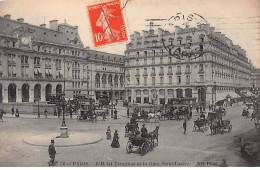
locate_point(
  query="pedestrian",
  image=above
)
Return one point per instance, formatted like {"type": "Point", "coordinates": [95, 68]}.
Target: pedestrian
{"type": "Point", "coordinates": [46, 113]}
{"type": "Point", "coordinates": [103, 116]}
{"type": "Point", "coordinates": [115, 142]}
{"type": "Point", "coordinates": [59, 112]}
{"type": "Point", "coordinates": [200, 109]}
{"type": "Point", "coordinates": [112, 113]}
{"type": "Point", "coordinates": [197, 108]}
{"type": "Point", "coordinates": [115, 114]}
{"type": "Point", "coordinates": [2, 112]}
{"type": "Point", "coordinates": [184, 127]}
{"type": "Point", "coordinates": [70, 112]}
{"type": "Point", "coordinates": [127, 112]}
{"type": "Point", "coordinates": [12, 110]}
{"type": "Point", "coordinates": [247, 113]}
{"type": "Point", "coordinates": [108, 133]}
{"type": "Point", "coordinates": [55, 111]}
{"type": "Point", "coordinates": [52, 153]}
{"type": "Point", "coordinates": [209, 107]}
{"type": "Point", "coordinates": [242, 145]}
{"type": "Point", "coordinates": [204, 108]}
{"type": "Point", "coordinates": [17, 114]}
{"type": "Point", "coordinates": [223, 163]}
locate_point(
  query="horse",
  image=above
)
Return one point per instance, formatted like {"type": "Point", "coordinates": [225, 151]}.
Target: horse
{"type": "Point", "coordinates": [213, 127]}
{"type": "Point", "coordinates": [154, 135]}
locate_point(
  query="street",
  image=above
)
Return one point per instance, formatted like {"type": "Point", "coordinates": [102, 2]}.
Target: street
{"type": "Point", "coordinates": [175, 148]}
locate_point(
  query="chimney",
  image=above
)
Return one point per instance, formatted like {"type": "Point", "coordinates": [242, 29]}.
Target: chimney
{"type": "Point", "coordinates": [20, 20]}
{"type": "Point", "coordinates": [53, 24]}
{"type": "Point", "coordinates": [7, 16]}
{"type": "Point", "coordinates": [43, 25]}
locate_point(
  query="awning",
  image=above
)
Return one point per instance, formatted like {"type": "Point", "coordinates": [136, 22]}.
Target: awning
{"type": "Point", "coordinates": [221, 96]}
{"type": "Point", "coordinates": [248, 92]}
{"type": "Point", "coordinates": [233, 95]}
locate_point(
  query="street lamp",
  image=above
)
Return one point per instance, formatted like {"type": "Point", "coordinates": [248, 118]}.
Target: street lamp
{"type": "Point", "coordinates": [111, 85]}
{"type": "Point", "coordinates": [63, 128]}
{"type": "Point", "coordinates": [38, 107]}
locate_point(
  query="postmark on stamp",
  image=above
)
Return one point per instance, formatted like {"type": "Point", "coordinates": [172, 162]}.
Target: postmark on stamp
{"type": "Point", "coordinates": [107, 23]}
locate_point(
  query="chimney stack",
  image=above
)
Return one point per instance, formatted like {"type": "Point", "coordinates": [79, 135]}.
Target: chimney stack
{"type": "Point", "coordinates": [43, 25]}
{"type": "Point", "coordinates": [53, 24]}
{"type": "Point", "coordinates": [7, 16]}
{"type": "Point", "coordinates": [20, 20]}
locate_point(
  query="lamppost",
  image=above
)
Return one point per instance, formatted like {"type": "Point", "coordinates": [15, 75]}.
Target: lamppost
{"type": "Point", "coordinates": [63, 128]}
{"type": "Point", "coordinates": [111, 85]}
{"type": "Point", "coordinates": [38, 107]}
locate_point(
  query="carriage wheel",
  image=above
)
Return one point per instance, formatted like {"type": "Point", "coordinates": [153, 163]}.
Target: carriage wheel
{"type": "Point", "coordinates": [129, 147]}
{"type": "Point", "coordinates": [229, 128]}
{"type": "Point", "coordinates": [151, 145]}
{"type": "Point", "coordinates": [144, 148]}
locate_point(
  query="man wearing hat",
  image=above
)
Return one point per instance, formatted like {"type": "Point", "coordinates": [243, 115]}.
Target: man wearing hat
{"type": "Point", "coordinates": [52, 153]}
{"type": "Point", "coordinates": [144, 131]}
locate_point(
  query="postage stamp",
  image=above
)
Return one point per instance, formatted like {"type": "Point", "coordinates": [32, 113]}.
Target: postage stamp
{"type": "Point", "coordinates": [107, 23]}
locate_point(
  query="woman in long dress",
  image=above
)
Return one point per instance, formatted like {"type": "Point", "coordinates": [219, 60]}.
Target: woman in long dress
{"type": "Point", "coordinates": [115, 142]}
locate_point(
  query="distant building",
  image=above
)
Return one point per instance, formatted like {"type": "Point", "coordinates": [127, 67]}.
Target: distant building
{"type": "Point", "coordinates": [152, 74]}
{"type": "Point", "coordinates": [35, 61]}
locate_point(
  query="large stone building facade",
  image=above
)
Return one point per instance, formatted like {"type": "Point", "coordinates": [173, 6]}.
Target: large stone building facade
{"type": "Point", "coordinates": [196, 63]}
{"type": "Point", "coordinates": [36, 61]}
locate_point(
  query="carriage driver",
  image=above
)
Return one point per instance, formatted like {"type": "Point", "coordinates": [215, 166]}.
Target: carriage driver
{"type": "Point", "coordinates": [144, 131]}
{"type": "Point", "coordinates": [202, 116]}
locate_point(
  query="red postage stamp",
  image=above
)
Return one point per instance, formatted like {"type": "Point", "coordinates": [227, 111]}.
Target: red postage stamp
{"type": "Point", "coordinates": [107, 23]}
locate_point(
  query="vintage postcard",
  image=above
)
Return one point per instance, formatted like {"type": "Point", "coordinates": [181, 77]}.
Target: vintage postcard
{"type": "Point", "coordinates": [129, 83]}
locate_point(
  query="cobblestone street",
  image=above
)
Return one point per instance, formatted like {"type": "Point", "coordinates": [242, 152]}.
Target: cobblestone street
{"type": "Point", "coordinates": [175, 148]}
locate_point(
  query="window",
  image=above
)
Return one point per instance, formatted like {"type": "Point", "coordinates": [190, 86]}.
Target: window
{"type": "Point", "coordinates": [153, 71]}
{"type": "Point", "coordinates": [161, 80]}
{"type": "Point", "coordinates": [187, 69]}
{"type": "Point", "coordinates": [178, 79]}
{"type": "Point", "coordinates": [145, 71]}
{"type": "Point", "coordinates": [178, 69]}
{"type": "Point", "coordinates": [128, 80]}
{"type": "Point", "coordinates": [161, 51]}
{"type": "Point", "coordinates": [188, 79]}
{"type": "Point", "coordinates": [170, 60]}
{"type": "Point", "coordinates": [169, 70]}
{"type": "Point", "coordinates": [36, 60]}
{"type": "Point", "coordinates": [137, 72]}
{"type": "Point", "coordinates": [145, 53]}
{"type": "Point", "coordinates": [137, 62]}
{"type": "Point", "coordinates": [145, 61]}
{"type": "Point", "coordinates": [161, 60]}
{"type": "Point", "coordinates": [137, 81]}
{"type": "Point", "coordinates": [145, 80]}
{"type": "Point", "coordinates": [201, 78]}
{"type": "Point", "coordinates": [153, 52]}
{"type": "Point", "coordinates": [161, 70]}
{"type": "Point", "coordinates": [137, 53]}
{"type": "Point", "coordinates": [201, 67]}
{"type": "Point", "coordinates": [170, 79]}
{"type": "Point", "coordinates": [153, 80]}
{"type": "Point", "coordinates": [153, 61]}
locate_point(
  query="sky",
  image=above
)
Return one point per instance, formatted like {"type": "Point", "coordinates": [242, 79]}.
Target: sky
{"type": "Point", "coordinates": [239, 20]}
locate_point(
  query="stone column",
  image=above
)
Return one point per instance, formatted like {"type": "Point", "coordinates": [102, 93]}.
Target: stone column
{"type": "Point", "coordinates": [18, 94]}
{"type": "Point", "coordinates": [43, 93]}
{"type": "Point", "coordinates": [5, 93]}
{"type": "Point", "coordinates": [142, 97]}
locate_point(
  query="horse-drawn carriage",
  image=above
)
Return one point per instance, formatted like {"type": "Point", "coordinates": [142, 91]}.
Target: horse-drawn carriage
{"type": "Point", "coordinates": [217, 125]}
{"type": "Point", "coordinates": [131, 128]}
{"type": "Point", "coordinates": [177, 112]}
{"type": "Point", "coordinates": [200, 125]}
{"type": "Point", "coordinates": [144, 144]}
